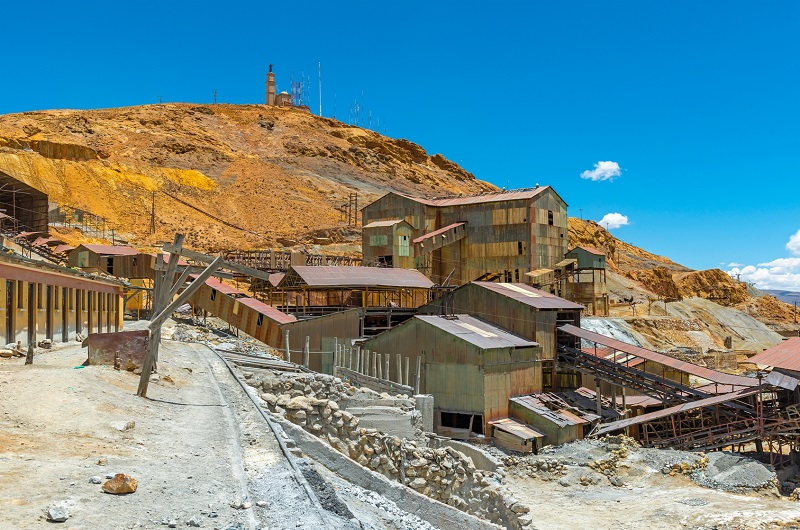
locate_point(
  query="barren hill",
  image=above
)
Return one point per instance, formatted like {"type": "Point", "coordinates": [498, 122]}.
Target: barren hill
{"type": "Point", "coordinates": [273, 172]}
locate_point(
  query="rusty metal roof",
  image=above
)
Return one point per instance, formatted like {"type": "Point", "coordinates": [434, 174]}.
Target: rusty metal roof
{"type": "Point", "coordinates": [110, 250]}
{"type": "Point", "coordinates": [517, 428]}
{"type": "Point", "coordinates": [682, 366]}
{"type": "Point", "coordinates": [529, 296]}
{"type": "Point", "coordinates": [610, 354]}
{"type": "Point", "coordinates": [590, 250]}
{"type": "Point", "coordinates": [221, 287]}
{"type": "Point", "coordinates": [477, 332]}
{"type": "Point", "coordinates": [267, 310]}
{"type": "Point", "coordinates": [559, 416]}
{"type": "Point", "coordinates": [511, 195]}
{"type": "Point", "coordinates": [376, 224]}
{"type": "Point", "coordinates": [275, 278]}
{"type": "Point", "coordinates": [437, 232]}
{"type": "Point", "coordinates": [358, 277]}
{"type": "Point", "coordinates": [677, 409]}
{"type": "Point", "coordinates": [785, 355]}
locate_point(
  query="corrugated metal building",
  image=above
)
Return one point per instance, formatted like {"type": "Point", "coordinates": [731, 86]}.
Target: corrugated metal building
{"type": "Point", "coordinates": [347, 286]}
{"type": "Point", "coordinates": [551, 416]}
{"type": "Point", "coordinates": [502, 235]}
{"type": "Point", "coordinates": [470, 366]}
{"type": "Point", "coordinates": [44, 301]}
{"type": "Point", "coordinates": [98, 258]}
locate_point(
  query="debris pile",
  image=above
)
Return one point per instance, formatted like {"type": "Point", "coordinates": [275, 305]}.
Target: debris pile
{"type": "Point", "coordinates": [736, 473]}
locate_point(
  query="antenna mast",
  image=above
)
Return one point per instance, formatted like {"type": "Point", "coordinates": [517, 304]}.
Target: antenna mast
{"type": "Point", "coordinates": [319, 76]}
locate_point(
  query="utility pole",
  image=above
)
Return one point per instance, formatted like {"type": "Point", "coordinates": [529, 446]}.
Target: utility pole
{"type": "Point", "coordinates": [153, 214]}
{"type": "Point", "coordinates": [320, 87]}
{"type": "Point", "coordinates": [215, 96]}
{"type": "Point", "coordinates": [581, 210]}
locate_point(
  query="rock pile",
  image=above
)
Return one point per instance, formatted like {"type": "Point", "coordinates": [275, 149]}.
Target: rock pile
{"type": "Point", "coordinates": [444, 474]}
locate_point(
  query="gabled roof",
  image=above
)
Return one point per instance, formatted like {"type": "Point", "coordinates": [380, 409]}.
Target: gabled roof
{"type": "Point", "coordinates": [590, 250]}
{"type": "Point", "coordinates": [353, 277]}
{"type": "Point", "coordinates": [376, 224]}
{"type": "Point", "coordinates": [110, 250]}
{"type": "Point", "coordinates": [785, 355]}
{"type": "Point", "coordinates": [510, 195]}
{"type": "Point", "coordinates": [528, 295]}
{"type": "Point", "coordinates": [517, 428]}
{"type": "Point", "coordinates": [267, 310]}
{"type": "Point", "coordinates": [477, 332]}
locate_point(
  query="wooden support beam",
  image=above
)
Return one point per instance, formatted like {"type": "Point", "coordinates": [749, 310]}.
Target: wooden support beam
{"type": "Point", "coordinates": [185, 295]}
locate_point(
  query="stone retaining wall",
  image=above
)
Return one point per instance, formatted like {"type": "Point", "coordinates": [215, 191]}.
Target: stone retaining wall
{"type": "Point", "coordinates": [443, 474]}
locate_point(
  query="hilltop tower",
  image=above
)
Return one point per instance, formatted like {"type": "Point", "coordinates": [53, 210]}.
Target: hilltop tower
{"type": "Point", "coordinates": [270, 87]}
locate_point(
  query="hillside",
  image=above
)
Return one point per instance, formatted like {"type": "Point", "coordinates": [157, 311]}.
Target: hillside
{"type": "Point", "coordinates": [250, 176]}
{"type": "Point", "coordinates": [272, 172]}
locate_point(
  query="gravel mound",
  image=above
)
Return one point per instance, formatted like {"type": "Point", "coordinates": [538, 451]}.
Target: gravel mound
{"type": "Point", "coordinates": [735, 473]}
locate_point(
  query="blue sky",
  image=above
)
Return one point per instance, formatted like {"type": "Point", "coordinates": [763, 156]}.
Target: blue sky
{"type": "Point", "coordinates": [695, 102]}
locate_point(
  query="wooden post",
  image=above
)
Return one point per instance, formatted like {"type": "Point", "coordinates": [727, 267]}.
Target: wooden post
{"type": "Point", "coordinates": [365, 362]}
{"type": "Point", "coordinates": [406, 379]}
{"type": "Point", "coordinates": [286, 345]}
{"type": "Point", "coordinates": [386, 368]}
{"type": "Point", "coordinates": [419, 373]}
{"type": "Point", "coordinates": [599, 398]}
{"type": "Point", "coordinates": [350, 358]}
{"type": "Point", "coordinates": [358, 359]}
{"type": "Point", "coordinates": [380, 366]}
{"type": "Point", "coordinates": [399, 369]}
{"type": "Point", "coordinates": [306, 352]}
{"type": "Point", "coordinates": [374, 372]}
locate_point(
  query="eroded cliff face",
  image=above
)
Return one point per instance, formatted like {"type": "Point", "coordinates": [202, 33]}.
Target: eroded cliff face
{"type": "Point", "coordinates": [272, 172]}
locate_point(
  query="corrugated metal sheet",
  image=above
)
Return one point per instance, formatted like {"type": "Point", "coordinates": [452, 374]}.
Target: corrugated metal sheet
{"type": "Point", "coordinates": [558, 417]}
{"type": "Point", "coordinates": [267, 310]}
{"type": "Point", "coordinates": [682, 366]}
{"type": "Point", "coordinates": [670, 411]}
{"type": "Point", "coordinates": [477, 332]}
{"type": "Point", "coordinates": [512, 195]}
{"type": "Point", "coordinates": [785, 355]}
{"type": "Point", "coordinates": [782, 380]}
{"type": "Point", "coordinates": [590, 250]}
{"type": "Point", "coordinates": [221, 287]}
{"type": "Point", "coordinates": [565, 262]}
{"type": "Point", "coordinates": [111, 250]}
{"type": "Point", "coordinates": [275, 278]}
{"type": "Point", "coordinates": [529, 295]}
{"type": "Point", "coordinates": [437, 232]}
{"type": "Point", "coordinates": [344, 277]}
{"type": "Point", "coordinates": [376, 224]}
{"type": "Point", "coordinates": [516, 428]}
{"type": "Point", "coordinates": [619, 357]}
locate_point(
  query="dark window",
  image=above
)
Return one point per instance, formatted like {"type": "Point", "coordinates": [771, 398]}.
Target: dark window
{"type": "Point", "coordinates": [519, 247]}
{"type": "Point", "coordinates": [550, 217]}
{"type": "Point", "coordinates": [20, 295]}
{"type": "Point", "coordinates": [260, 319]}
{"type": "Point", "coordinates": [39, 302]}
{"type": "Point", "coordinates": [213, 294]}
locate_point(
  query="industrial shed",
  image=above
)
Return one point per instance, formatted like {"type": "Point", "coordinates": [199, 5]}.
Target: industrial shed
{"type": "Point", "coordinates": [470, 366]}
{"type": "Point", "coordinates": [550, 415]}
{"type": "Point", "coordinates": [99, 258]}
{"type": "Point", "coordinates": [44, 301]}
{"type": "Point", "coordinates": [499, 235]}
{"type": "Point", "coordinates": [519, 308]}
{"type": "Point", "coordinates": [25, 206]}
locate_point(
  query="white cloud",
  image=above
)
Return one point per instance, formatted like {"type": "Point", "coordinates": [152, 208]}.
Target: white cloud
{"type": "Point", "coordinates": [780, 273]}
{"type": "Point", "coordinates": [606, 170]}
{"type": "Point", "coordinates": [610, 221]}
{"type": "Point", "coordinates": [793, 246]}
{"type": "Point", "coordinates": [734, 264]}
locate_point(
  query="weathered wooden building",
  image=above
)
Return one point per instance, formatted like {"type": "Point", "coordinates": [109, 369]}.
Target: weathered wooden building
{"type": "Point", "coordinates": [546, 413]}
{"type": "Point", "coordinates": [257, 319]}
{"type": "Point", "coordinates": [99, 258]}
{"type": "Point", "coordinates": [44, 301]}
{"type": "Point", "coordinates": [390, 243]}
{"type": "Point", "coordinates": [310, 289]}
{"type": "Point", "coordinates": [496, 235]}
{"type": "Point", "coordinates": [519, 308]}
{"type": "Point", "coordinates": [584, 281]}
{"type": "Point", "coordinates": [470, 366]}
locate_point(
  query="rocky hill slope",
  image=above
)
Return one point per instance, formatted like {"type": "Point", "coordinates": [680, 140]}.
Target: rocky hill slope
{"type": "Point", "coordinates": [250, 176]}
{"type": "Point", "coordinates": [272, 172]}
